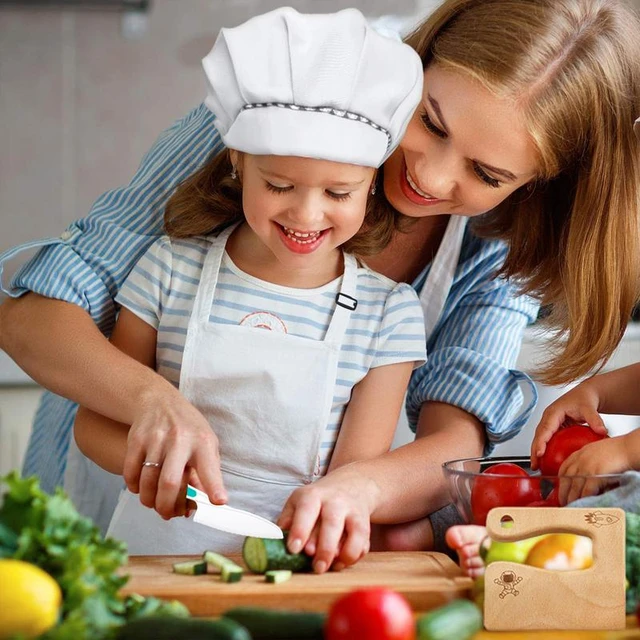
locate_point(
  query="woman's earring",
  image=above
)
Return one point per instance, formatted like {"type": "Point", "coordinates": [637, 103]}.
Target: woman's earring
{"type": "Point", "coordinates": [234, 173]}
{"type": "Point", "coordinates": [373, 189]}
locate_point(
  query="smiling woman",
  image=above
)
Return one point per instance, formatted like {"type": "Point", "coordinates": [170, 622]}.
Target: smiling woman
{"type": "Point", "coordinates": [528, 110]}
{"type": "Point", "coordinates": [454, 149]}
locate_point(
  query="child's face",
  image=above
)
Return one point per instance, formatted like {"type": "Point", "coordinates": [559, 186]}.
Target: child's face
{"type": "Point", "coordinates": [303, 209]}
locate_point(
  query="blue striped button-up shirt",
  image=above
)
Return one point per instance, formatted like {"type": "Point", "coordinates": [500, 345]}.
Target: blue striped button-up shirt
{"type": "Point", "coordinates": [471, 352]}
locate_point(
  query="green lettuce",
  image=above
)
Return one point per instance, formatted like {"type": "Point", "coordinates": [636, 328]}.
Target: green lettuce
{"type": "Point", "coordinates": [46, 530]}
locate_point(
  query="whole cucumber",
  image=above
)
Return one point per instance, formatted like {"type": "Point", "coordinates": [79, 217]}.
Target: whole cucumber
{"type": "Point", "coordinates": [165, 628]}
{"type": "Point", "coordinates": [458, 620]}
{"type": "Point", "coordinates": [273, 624]}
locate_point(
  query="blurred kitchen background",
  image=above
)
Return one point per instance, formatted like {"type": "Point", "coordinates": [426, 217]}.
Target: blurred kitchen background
{"type": "Point", "coordinates": [85, 88]}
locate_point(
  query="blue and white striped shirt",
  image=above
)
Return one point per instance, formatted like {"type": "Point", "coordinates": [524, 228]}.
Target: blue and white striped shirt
{"type": "Point", "coordinates": [472, 350]}
{"type": "Point", "coordinates": [387, 327]}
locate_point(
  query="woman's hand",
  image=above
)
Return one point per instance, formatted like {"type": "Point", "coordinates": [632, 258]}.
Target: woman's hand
{"type": "Point", "coordinates": [330, 519]}
{"type": "Point", "coordinates": [611, 455]}
{"type": "Point", "coordinates": [580, 405]}
{"type": "Point", "coordinates": [170, 431]}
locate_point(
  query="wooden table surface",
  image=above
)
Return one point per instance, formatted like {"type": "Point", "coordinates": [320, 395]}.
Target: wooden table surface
{"type": "Point", "coordinates": [428, 580]}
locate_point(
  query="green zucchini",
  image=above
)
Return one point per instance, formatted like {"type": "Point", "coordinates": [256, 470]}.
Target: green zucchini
{"type": "Point", "coordinates": [165, 628]}
{"type": "Point", "coordinates": [190, 568]}
{"type": "Point", "coordinates": [272, 624]}
{"type": "Point", "coordinates": [229, 570]}
{"type": "Point", "coordinates": [276, 577]}
{"type": "Point", "coordinates": [458, 620]}
{"type": "Point", "coordinates": [266, 554]}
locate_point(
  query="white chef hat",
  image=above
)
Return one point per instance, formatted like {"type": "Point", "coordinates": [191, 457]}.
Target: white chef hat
{"type": "Point", "coordinates": [321, 86]}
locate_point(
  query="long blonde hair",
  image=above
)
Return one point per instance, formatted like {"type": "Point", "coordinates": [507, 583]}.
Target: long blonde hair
{"type": "Point", "coordinates": [211, 199]}
{"type": "Point", "coordinates": [573, 68]}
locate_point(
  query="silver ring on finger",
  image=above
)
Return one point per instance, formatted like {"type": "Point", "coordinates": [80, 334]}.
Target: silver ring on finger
{"type": "Point", "coordinates": [151, 464]}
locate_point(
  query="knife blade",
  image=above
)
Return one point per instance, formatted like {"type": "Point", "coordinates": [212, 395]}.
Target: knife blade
{"type": "Point", "coordinates": [229, 519]}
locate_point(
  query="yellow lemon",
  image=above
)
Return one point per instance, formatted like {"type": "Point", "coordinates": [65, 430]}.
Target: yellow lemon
{"type": "Point", "coordinates": [30, 599]}
{"type": "Point", "coordinates": [562, 552]}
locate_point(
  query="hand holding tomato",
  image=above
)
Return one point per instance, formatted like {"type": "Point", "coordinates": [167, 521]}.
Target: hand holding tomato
{"type": "Point", "coordinates": [579, 406]}
{"type": "Point", "coordinates": [563, 443]}
{"type": "Point", "coordinates": [516, 489]}
{"type": "Point", "coordinates": [374, 613]}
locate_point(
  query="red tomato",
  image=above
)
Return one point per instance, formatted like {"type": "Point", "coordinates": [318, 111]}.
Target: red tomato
{"type": "Point", "coordinates": [374, 613]}
{"type": "Point", "coordinates": [562, 444]}
{"type": "Point", "coordinates": [550, 501]}
{"type": "Point", "coordinates": [488, 492]}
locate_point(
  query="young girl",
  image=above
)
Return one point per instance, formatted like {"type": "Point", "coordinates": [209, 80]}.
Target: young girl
{"type": "Point", "coordinates": [613, 392]}
{"type": "Point", "coordinates": [298, 355]}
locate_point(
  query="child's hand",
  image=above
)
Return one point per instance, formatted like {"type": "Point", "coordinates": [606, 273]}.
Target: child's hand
{"type": "Point", "coordinates": [170, 431]}
{"type": "Point", "coordinates": [330, 519]}
{"type": "Point", "coordinates": [578, 405]}
{"type": "Point", "coordinates": [610, 455]}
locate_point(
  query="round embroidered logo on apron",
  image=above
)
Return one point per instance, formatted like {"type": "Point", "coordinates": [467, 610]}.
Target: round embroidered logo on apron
{"type": "Point", "coordinates": [264, 320]}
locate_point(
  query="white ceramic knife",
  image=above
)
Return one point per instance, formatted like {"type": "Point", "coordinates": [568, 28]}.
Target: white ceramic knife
{"type": "Point", "coordinates": [225, 518]}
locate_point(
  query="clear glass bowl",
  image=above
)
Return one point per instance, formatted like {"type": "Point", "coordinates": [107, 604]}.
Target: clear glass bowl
{"type": "Point", "coordinates": [474, 492]}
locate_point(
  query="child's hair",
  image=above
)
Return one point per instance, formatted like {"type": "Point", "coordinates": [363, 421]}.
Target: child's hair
{"type": "Point", "coordinates": [210, 200]}
{"type": "Point", "coordinates": [573, 68]}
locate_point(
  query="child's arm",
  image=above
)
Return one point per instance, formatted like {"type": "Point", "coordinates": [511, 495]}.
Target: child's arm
{"type": "Point", "coordinates": [101, 439]}
{"type": "Point", "coordinates": [614, 392]}
{"type": "Point", "coordinates": [323, 527]}
{"type": "Point", "coordinates": [371, 417]}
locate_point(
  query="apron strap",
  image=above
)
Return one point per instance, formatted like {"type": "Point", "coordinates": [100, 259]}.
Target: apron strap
{"type": "Point", "coordinates": [436, 289]}
{"type": "Point", "coordinates": [209, 278]}
{"type": "Point", "coordinates": [346, 302]}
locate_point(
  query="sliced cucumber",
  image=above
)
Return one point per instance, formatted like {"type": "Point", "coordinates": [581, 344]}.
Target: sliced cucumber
{"type": "Point", "coordinates": [458, 620]}
{"type": "Point", "coordinates": [216, 559]}
{"type": "Point", "coordinates": [229, 570]}
{"type": "Point", "coordinates": [231, 573]}
{"type": "Point", "coordinates": [266, 554]}
{"type": "Point", "coordinates": [276, 577]}
{"type": "Point", "coordinates": [191, 568]}
{"type": "Point", "coordinates": [271, 624]}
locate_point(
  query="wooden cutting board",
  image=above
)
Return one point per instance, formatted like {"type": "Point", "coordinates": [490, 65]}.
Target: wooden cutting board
{"type": "Point", "coordinates": [427, 580]}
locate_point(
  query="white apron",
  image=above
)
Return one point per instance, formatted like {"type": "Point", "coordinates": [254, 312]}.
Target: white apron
{"type": "Point", "coordinates": [433, 297]}
{"type": "Point", "coordinates": [267, 396]}
{"type": "Point", "coordinates": [436, 289]}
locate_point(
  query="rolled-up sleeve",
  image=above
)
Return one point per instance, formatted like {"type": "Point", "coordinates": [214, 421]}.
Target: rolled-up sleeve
{"type": "Point", "coordinates": [474, 347]}
{"type": "Point", "coordinates": [89, 262]}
